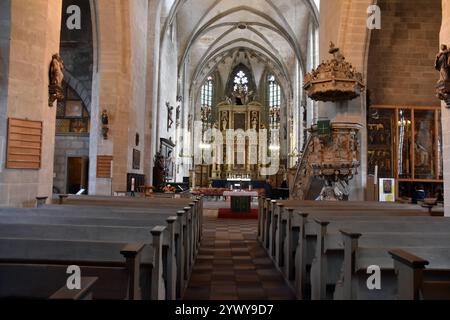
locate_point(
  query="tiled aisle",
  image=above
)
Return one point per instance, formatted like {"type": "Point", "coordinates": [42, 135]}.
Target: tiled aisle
{"type": "Point", "coordinates": [231, 265]}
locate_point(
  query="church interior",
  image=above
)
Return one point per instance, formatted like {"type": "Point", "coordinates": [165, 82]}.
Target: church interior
{"type": "Point", "coordinates": [225, 150]}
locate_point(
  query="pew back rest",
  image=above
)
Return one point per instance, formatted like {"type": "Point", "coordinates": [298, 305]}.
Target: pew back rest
{"type": "Point", "coordinates": [14, 249]}
{"type": "Point", "coordinates": [74, 232]}
{"type": "Point", "coordinates": [438, 257]}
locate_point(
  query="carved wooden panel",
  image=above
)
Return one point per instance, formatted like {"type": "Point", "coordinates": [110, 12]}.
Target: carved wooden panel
{"type": "Point", "coordinates": [104, 166]}
{"type": "Point", "coordinates": [24, 144]}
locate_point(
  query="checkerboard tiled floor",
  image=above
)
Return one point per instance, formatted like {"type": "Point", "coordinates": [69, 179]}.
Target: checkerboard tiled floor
{"type": "Point", "coordinates": [231, 265]}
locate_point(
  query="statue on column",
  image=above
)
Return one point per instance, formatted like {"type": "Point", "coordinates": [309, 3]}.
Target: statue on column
{"type": "Point", "coordinates": [255, 120]}
{"type": "Point", "coordinates": [169, 116]}
{"type": "Point", "coordinates": [56, 77]}
{"type": "Point", "coordinates": [178, 117]}
{"type": "Point", "coordinates": [443, 66]}
{"type": "Point", "coordinates": [224, 121]}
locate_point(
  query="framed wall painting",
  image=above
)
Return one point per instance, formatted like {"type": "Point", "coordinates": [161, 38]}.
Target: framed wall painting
{"type": "Point", "coordinates": [74, 109]}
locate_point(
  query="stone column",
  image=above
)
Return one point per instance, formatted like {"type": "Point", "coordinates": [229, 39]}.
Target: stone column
{"type": "Point", "coordinates": [111, 92]}
{"type": "Point", "coordinates": [445, 39]}
{"type": "Point", "coordinates": [344, 23]}
{"type": "Point", "coordinates": [153, 42]}
{"type": "Point", "coordinates": [29, 36]}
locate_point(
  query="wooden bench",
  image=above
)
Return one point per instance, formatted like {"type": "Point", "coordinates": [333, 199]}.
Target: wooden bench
{"type": "Point", "coordinates": [104, 229]}
{"type": "Point", "coordinates": [119, 267]}
{"type": "Point", "coordinates": [118, 217]}
{"type": "Point", "coordinates": [84, 293]}
{"type": "Point", "coordinates": [276, 220]}
{"type": "Point", "coordinates": [411, 283]}
{"type": "Point", "coordinates": [320, 237]}
{"type": "Point", "coordinates": [158, 202]}
{"type": "Point", "coordinates": [296, 242]}
{"type": "Point", "coordinates": [329, 255]}
{"type": "Point", "coordinates": [195, 215]}
{"type": "Point", "coordinates": [357, 258]}
{"type": "Point", "coordinates": [270, 217]}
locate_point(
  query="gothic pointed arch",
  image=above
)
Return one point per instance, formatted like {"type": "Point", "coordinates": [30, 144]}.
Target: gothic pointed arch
{"type": "Point", "coordinates": [242, 75]}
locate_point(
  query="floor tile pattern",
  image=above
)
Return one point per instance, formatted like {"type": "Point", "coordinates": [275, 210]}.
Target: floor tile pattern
{"type": "Point", "coordinates": [231, 265]}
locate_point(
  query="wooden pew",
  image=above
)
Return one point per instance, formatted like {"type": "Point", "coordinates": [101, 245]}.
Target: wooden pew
{"type": "Point", "coordinates": [325, 240]}
{"type": "Point", "coordinates": [352, 284]}
{"type": "Point", "coordinates": [85, 293]}
{"type": "Point", "coordinates": [329, 257]}
{"type": "Point", "coordinates": [84, 216]}
{"type": "Point", "coordinates": [23, 260]}
{"type": "Point", "coordinates": [275, 223]}
{"type": "Point", "coordinates": [105, 229]}
{"type": "Point", "coordinates": [132, 201]}
{"type": "Point", "coordinates": [411, 284]}
{"type": "Point", "coordinates": [276, 211]}
{"type": "Point", "coordinates": [196, 203]}
{"type": "Point", "coordinates": [190, 222]}
{"type": "Point", "coordinates": [273, 215]}
{"type": "Point", "coordinates": [143, 206]}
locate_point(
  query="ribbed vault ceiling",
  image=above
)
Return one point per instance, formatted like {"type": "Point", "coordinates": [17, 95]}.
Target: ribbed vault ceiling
{"type": "Point", "coordinates": [213, 32]}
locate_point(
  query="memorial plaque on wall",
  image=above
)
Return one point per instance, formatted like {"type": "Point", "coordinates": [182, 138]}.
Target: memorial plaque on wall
{"type": "Point", "coordinates": [24, 144]}
{"type": "Point", "coordinates": [136, 159]}
{"type": "Point", "coordinates": [104, 167]}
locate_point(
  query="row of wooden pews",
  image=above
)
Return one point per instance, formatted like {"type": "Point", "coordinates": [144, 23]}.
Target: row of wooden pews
{"type": "Point", "coordinates": [126, 248]}
{"type": "Point", "coordinates": [328, 250]}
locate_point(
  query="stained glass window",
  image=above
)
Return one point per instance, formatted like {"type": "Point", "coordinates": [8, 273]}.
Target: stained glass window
{"type": "Point", "coordinates": [207, 93]}
{"type": "Point", "coordinates": [274, 93]}
{"type": "Point", "coordinates": [241, 79]}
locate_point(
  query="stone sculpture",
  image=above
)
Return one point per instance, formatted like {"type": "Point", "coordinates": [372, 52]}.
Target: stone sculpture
{"type": "Point", "coordinates": [56, 77]}
{"type": "Point", "coordinates": [443, 66]}
{"type": "Point", "coordinates": [169, 116]}
{"type": "Point", "coordinates": [105, 124]}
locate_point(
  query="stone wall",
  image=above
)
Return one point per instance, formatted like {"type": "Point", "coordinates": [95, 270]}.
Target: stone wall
{"type": "Point", "coordinates": [153, 31]}
{"type": "Point", "coordinates": [5, 20]}
{"type": "Point", "coordinates": [33, 39]}
{"type": "Point", "coordinates": [445, 38]}
{"type": "Point", "coordinates": [168, 88]}
{"type": "Point", "coordinates": [111, 92]}
{"type": "Point", "coordinates": [403, 52]}
{"type": "Point", "coordinates": [120, 86]}
{"type": "Point", "coordinates": [66, 147]}
{"type": "Point", "coordinates": [168, 83]}
{"type": "Point", "coordinates": [138, 26]}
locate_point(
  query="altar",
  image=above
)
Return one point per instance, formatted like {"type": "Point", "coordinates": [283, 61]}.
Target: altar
{"type": "Point", "coordinates": [241, 201]}
{"type": "Point", "coordinates": [240, 135]}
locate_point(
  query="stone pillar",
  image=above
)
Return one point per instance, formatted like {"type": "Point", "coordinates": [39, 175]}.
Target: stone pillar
{"type": "Point", "coordinates": [445, 39]}
{"type": "Point", "coordinates": [5, 29]}
{"type": "Point", "coordinates": [29, 36]}
{"type": "Point", "coordinates": [153, 42]}
{"type": "Point", "coordinates": [120, 87]}
{"type": "Point", "coordinates": [344, 23]}
{"type": "Point", "coordinates": [111, 92]}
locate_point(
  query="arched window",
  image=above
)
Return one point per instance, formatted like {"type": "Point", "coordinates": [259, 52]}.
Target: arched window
{"type": "Point", "coordinates": [207, 93]}
{"type": "Point", "coordinates": [274, 99]}
{"type": "Point", "coordinates": [274, 92]}
{"type": "Point", "coordinates": [241, 79]}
